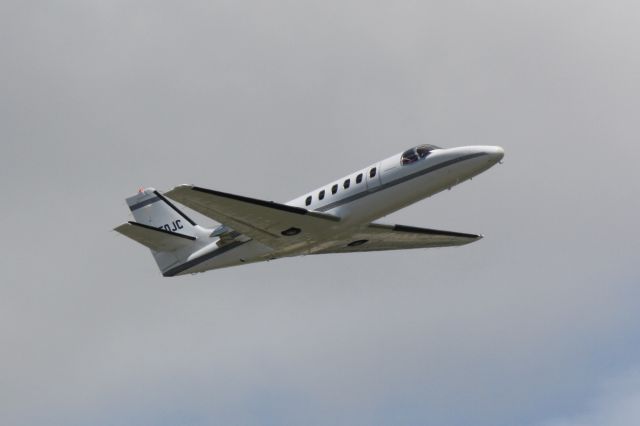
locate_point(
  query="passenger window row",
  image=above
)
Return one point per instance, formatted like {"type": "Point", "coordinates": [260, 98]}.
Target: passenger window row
{"type": "Point", "coordinates": [346, 184]}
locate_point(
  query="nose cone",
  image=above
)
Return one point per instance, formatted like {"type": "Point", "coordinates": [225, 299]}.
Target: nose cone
{"type": "Point", "coordinates": [469, 161]}
{"type": "Point", "coordinates": [495, 153]}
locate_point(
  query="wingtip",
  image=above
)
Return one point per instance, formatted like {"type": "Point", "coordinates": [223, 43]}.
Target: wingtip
{"type": "Point", "coordinates": [178, 188]}
{"type": "Point", "coordinates": [183, 186]}
{"type": "Point", "coordinates": [120, 227]}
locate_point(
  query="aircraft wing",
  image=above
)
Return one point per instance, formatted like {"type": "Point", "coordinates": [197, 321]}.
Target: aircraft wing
{"type": "Point", "coordinates": [273, 224]}
{"type": "Point", "coordinates": [377, 237]}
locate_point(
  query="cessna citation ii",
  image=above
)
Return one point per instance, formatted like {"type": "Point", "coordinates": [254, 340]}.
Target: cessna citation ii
{"type": "Point", "coordinates": [335, 218]}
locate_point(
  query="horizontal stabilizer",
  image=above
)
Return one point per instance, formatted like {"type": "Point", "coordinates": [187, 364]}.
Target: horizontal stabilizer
{"type": "Point", "coordinates": [154, 238]}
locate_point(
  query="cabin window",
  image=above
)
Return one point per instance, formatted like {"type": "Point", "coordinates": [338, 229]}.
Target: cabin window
{"type": "Point", "coordinates": [372, 172]}
{"type": "Point", "coordinates": [347, 183]}
{"type": "Point", "coordinates": [308, 200]}
{"type": "Point", "coordinates": [334, 188]}
{"type": "Point", "coordinates": [359, 178]}
{"type": "Point", "coordinates": [321, 195]}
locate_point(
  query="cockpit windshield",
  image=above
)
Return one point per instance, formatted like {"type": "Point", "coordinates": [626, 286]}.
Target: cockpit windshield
{"type": "Point", "coordinates": [416, 153]}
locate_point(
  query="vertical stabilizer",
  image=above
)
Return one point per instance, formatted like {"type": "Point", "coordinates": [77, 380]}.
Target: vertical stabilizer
{"type": "Point", "coordinates": [159, 225]}
{"type": "Point", "coordinates": [151, 208]}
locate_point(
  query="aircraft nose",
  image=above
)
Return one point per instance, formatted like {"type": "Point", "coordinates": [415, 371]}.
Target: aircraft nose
{"type": "Point", "coordinates": [495, 152]}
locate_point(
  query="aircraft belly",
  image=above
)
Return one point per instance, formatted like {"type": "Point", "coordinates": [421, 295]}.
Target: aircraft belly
{"type": "Point", "coordinates": [249, 252]}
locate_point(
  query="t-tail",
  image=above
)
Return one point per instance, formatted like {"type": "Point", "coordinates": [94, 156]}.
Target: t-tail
{"type": "Point", "coordinates": [159, 225]}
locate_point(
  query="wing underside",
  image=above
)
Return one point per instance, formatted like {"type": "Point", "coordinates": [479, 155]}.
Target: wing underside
{"type": "Point", "coordinates": [378, 237]}
{"type": "Point", "coordinates": [297, 231]}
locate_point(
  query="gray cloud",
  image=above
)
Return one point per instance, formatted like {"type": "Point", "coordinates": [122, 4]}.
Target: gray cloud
{"type": "Point", "coordinates": [616, 405]}
{"type": "Point", "coordinates": [270, 100]}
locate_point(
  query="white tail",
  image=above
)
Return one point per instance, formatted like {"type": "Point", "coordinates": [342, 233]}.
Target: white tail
{"type": "Point", "coordinates": [159, 225]}
{"type": "Point", "coordinates": [151, 208]}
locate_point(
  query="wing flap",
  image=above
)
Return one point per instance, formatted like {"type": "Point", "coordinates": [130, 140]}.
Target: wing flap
{"type": "Point", "coordinates": [274, 224]}
{"type": "Point", "coordinates": [154, 238]}
{"type": "Point", "coordinates": [378, 237]}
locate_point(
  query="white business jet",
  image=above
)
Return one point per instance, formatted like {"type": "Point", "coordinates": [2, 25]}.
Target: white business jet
{"type": "Point", "coordinates": [335, 218]}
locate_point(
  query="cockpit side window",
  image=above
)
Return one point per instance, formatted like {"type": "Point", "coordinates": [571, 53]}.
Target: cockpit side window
{"type": "Point", "coordinates": [308, 200]}
{"type": "Point", "coordinates": [409, 156]}
{"type": "Point", "coordinates": [424, 150]}
{"type": "Point", "coordinates": [416, 153]}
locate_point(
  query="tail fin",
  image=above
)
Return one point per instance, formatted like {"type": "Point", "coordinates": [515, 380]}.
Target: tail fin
{"type": "Point", "coordinates": [162, 227]}
{"type": "Point", "coordinates": [151, 208]}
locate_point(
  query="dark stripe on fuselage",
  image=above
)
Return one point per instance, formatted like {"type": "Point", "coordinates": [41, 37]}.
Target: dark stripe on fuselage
{"type": "Point", "coordinates": [144, 203]}
{"type": "Point", "coordinates": [395, 182]}
{"type": "Point", "coordinates": [190, 264]}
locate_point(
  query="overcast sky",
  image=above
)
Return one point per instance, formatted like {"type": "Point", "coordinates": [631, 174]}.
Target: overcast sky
{"type": "Point", "coordinates": [535, 325]}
